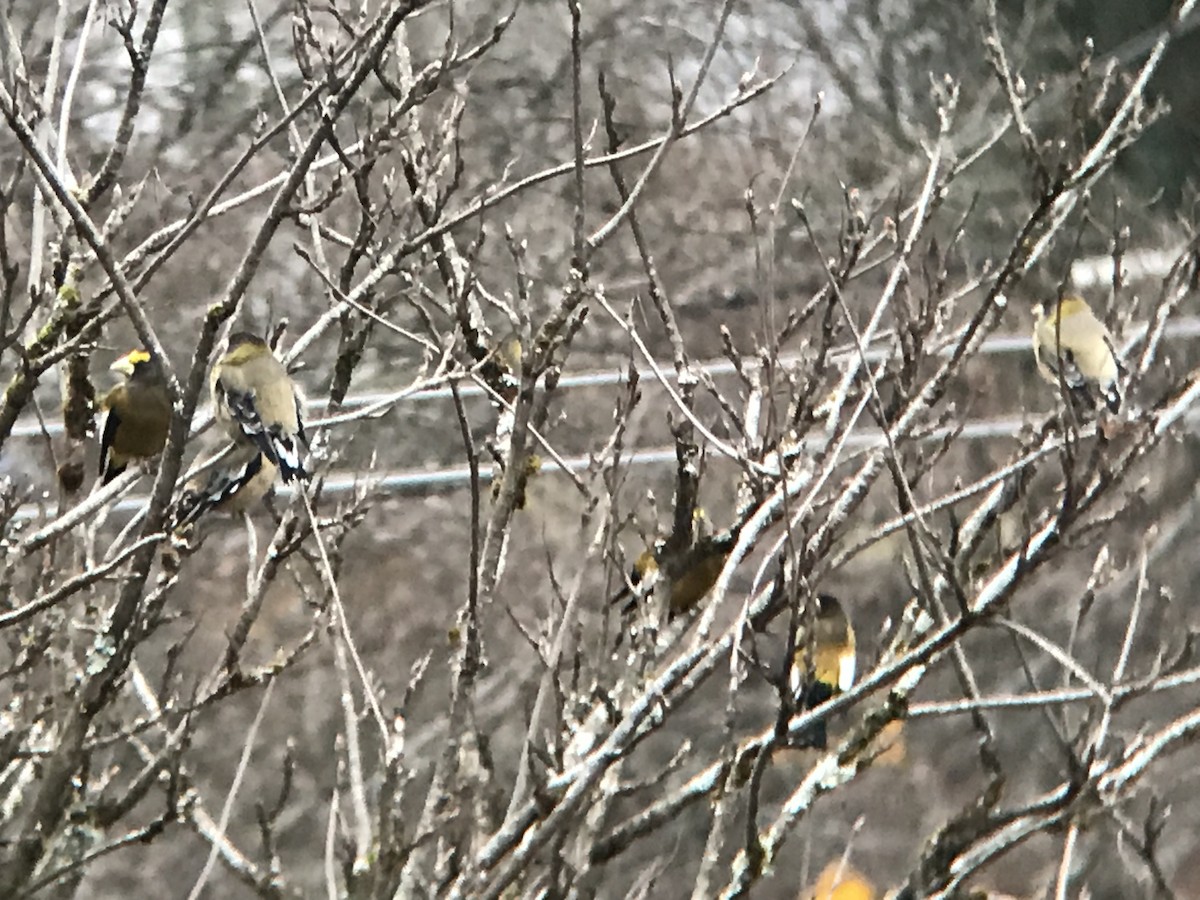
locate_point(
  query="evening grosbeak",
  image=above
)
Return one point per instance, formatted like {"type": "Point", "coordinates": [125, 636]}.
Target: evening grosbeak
{"type": "Point", "coordinates": [1071, 340]}
{"type": "Point", "coordinates": [235, 486]}
{"type": "Point", "coordinates": [693, 572]}
{"type": "Point", "coordinates": [256, 402]}
{"type": "Point", "coordinates": [829, 671]}
{"type": "Point", "coordinates": [137, 414]}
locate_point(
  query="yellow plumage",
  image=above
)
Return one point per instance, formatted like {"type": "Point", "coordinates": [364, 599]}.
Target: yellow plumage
{"type": "Point", "coordinates": [824, 662]}
{"type": "Point", "coordinates": [256, 402]}
{"type": "Point", "coordinates": [839, 881]}
{"type": "Point", "coordinates": [1073, 342]}
{"type": "Point", "coordinates": [234, 487]}
{"type": "Point", "coordinates": [137, 414]}
{"type": "Point", "coordinates": [693, 570]}
{"type": "Point", "coordinates": [833, 647]}
{"type": "Point", "coordinates": [696, 573]}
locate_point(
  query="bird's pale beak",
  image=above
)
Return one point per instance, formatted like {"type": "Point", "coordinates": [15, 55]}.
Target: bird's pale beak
{"type": "Point", "coordinates": [124, 365]}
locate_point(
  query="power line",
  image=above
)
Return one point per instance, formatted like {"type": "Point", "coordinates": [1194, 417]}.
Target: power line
{"type": "Point", "coordinates": [1183, 327]}
{"type": "Point", "coordinates": [423, 481]}
{"type": "Point", "coordinates": [418, 482]}
{"type": "Point", "coordinates": [1096, 271]}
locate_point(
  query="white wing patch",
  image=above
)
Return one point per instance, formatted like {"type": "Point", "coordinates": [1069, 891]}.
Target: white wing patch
{"type": "Point", "coordinates": [846, 672]}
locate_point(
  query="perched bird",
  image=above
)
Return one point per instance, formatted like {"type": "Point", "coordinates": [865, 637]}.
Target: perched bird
{"type": "Point", "coordinates": [256, 401]}
{"type": "Point", "coordinates": [693, 572]}
{"type": "Point", "coordinates": [233, 487]}
{"type": "Point", "coordinates": [1074, 342]}
{"type": "Point", "coordinates": [137, 414]}
{"type": "Point", "coordinates": [697, 571]}
{"type": "Point", "coordinates": [831, 668]}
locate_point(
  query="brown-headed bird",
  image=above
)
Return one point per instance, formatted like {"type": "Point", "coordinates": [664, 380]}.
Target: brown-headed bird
{"type": "Point", "coordinates": [823, 664]}
{"type": "Point", "coordinates": [137, 414]}
{"type": "Point", "coordinates": [1074, 343]}
{"type": "Point", "coordinates": [256, 401]}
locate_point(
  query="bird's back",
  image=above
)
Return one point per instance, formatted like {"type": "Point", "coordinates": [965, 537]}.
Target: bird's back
{"type": "Point", "coordinates": [273, 388]}
{"type": "Point", "coordinates": [1085, 338]}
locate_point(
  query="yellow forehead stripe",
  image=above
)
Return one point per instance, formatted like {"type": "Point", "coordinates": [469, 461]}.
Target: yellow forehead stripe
{"type": "Point", "coordinates": [137, 356]}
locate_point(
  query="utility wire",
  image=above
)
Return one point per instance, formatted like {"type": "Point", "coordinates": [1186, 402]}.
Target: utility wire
{"type": "Point", "coordinates": [422, 482]}
{"type": "Point", "coordinates": [1182, 327]}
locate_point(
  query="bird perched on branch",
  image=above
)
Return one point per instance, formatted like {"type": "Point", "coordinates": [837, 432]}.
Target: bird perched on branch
{"type": "Point", "coordinates": [233, 487]}
{"type": "Point", "coordinates": [823, 663]}
{"type": "Point", "coordinates": [137, 414]}
{"type": "Point", "coordinates": [1073, 343]}
{"type": "Point", "coordinates": [693, 571]}
{"type": "Point", "coordinates": [256, 401]}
